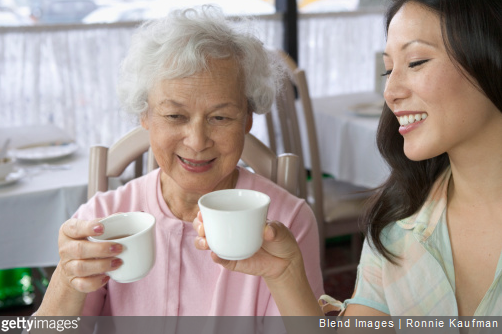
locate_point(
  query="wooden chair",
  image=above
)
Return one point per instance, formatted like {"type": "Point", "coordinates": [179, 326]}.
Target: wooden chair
{"type": "Point", "coordinates": [107, 162]}
{"type": "Point", "coordinates": [337, 205]}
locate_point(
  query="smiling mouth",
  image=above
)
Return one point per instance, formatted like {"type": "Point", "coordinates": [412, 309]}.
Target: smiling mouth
{"type": "Point", "coordinates": [411, 118]}
{"type": "Point", "coordinates": [196, 163]}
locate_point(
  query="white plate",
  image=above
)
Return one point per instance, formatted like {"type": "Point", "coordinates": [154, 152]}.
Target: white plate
{"type": "Point", "coordinates": [49, 152]}
{"type": "Point", "coordinates": [13, 177]}
{"type": "Point", "coordinates": [373, 109]}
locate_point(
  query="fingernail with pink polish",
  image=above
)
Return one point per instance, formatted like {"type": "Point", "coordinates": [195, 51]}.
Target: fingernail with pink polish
{"type": "Point", "coordinates": [116, 248]}
{"type": "Point", "coordinates": [98, 228]}
{"type": "Point", "coordinates": [116, 263]}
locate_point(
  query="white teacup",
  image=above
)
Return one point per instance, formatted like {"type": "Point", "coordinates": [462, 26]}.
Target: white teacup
{"type": "Point", "coordinates": [234, 220]}
{"type": "Point", "coordinates": [136, 232]}
{"type": "Point", "coordinates": [6, 167]}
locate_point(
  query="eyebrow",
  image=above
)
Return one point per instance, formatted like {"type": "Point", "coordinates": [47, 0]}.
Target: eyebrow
{"type": "Point", "coordinates": [180, 105]}
{"type": "Point", "coordinates": [168, 101]}
{"type": "Point", "coordinates": [420, 41]}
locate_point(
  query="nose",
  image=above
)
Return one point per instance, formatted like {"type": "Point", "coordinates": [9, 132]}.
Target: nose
{"type": "Point", "coordinates": [396, 88]}
{"type": "Point", "coordinates": [197, 136]}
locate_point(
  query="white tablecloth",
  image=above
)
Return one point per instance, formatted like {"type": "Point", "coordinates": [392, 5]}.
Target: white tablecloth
{"type": "Point", "coordinates": [33, 209]}
{"type": "Point", "coordinates": [347, 140]}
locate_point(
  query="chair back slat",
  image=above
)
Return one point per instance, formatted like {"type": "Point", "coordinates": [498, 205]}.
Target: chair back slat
{"type": "Point", "coordinates": [288, 167]}
{"type": "Point", "coordinates": [126, 150]}
{"type": "Point", "coordinates": [98, 181]}
{"type": "Point", "coordinates": [311, 132]}
{"type": "Point", "coordinates": [267, 165]}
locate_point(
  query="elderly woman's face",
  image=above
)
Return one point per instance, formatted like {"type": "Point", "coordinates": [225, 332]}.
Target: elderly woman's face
{"type": "Point", "coordinates": [197, 126]}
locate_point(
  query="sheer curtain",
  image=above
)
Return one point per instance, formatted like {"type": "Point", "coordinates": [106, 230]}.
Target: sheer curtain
{"type": "Point", "coordinates": [66, 75]}
{"type": "Point", "coordinates": [337, 51]}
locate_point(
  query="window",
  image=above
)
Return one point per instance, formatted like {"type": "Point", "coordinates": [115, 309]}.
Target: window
{"type": "Point", "coordinates": [316, 6]}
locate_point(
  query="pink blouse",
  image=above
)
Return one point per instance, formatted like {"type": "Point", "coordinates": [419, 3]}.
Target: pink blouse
{"type": "Point", "coordinates": [185, 281]}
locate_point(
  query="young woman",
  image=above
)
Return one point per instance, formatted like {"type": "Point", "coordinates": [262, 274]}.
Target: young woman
{"type": "Point", "coordinates": [434, 229]}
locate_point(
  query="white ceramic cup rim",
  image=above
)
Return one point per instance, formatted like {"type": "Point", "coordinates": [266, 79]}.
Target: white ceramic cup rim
{"type": "Point", "coordinates": [203, 200]}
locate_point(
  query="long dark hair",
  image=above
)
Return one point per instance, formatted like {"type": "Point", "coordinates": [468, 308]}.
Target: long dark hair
{"type": "Point", "coordinates": [472, 35]}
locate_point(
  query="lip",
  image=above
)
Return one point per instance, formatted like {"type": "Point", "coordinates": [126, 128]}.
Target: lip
{"type": "Point", "coordinates": [206, 164]}
{"type": "Point", "coordinates": [404, 129]}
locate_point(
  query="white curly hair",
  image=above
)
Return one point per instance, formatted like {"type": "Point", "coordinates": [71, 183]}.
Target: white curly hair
{"type": "Point", "coordinates": [180, 45]}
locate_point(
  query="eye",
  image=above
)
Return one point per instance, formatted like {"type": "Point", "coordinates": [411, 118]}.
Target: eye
{"type": "Point", "coordinates": [175, 118]}
{"type": "Point", "coordinates": [417, 63]}
{"type": "Point", "coordinates": [386, 73]}
{"type": "Point", "coordinates": [410, 65]}
{"type": "Point", "coordinates": [218, 120]}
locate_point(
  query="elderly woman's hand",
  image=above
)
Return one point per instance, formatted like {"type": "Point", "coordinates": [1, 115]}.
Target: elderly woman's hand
{"type": "Point", "coordinates": [279, 252]}
{"type": "Point", "coordinates": [83, 263]}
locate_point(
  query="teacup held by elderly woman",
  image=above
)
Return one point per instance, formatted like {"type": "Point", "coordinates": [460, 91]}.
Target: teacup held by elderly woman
{"type": "Point", "coordinates": [234, 220]}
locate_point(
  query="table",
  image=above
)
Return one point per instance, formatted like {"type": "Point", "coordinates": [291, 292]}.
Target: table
{"type": "Point", "coordinates": [33, 209]}
{"type": "Point", "coordinates": [347, 140]}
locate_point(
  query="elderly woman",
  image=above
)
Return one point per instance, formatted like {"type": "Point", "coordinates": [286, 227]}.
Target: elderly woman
{"type": "Point", "coordinates": [194, 79]}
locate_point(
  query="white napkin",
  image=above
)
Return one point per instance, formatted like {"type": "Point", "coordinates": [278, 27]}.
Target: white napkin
{"type": "Point", "coordinates": [34, 135]}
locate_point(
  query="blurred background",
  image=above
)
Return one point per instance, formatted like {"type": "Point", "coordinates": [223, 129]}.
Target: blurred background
{"type": "Point", "coordinates": [59, 58]}
{"type": "Point", "coordinates": [27, 12]}
{"type": "Point", "coordinates": [59, 62]}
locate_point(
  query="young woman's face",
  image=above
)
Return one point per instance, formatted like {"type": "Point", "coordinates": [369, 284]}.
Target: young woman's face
{"type": "Point", "coordinates": [438, 108]}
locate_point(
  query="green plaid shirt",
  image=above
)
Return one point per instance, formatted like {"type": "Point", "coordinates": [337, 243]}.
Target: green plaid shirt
{"type": "Point", "coordinates": [424, 282]}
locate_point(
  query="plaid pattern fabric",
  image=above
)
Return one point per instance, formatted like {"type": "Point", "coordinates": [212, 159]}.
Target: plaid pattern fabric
{"type": "Point", "coordinates": [424, 281]}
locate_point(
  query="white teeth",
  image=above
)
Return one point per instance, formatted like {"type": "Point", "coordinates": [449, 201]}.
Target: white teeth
{"type": "Point", "coordinates": [194, 164]}
{"type": "Point", "coordinates": [408, 119]}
